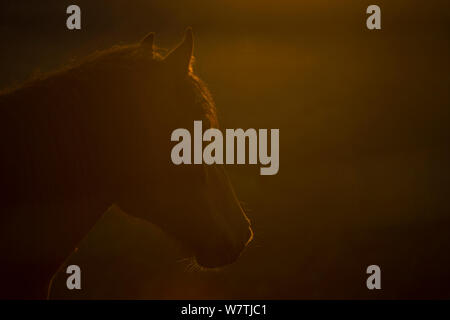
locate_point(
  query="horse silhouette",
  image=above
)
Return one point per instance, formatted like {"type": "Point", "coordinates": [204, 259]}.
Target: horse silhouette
{"type": "Point", "coordinates": [97, 133]}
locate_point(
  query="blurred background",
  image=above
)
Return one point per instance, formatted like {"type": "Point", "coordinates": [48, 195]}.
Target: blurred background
{"type": "Point", "coordinates": [364, 142]}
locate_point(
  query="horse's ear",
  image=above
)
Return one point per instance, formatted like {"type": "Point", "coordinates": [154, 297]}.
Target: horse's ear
{"type": "Point", "coordinates": [181, 56]}
{"type": "Point", "coordinates": [147, 42]}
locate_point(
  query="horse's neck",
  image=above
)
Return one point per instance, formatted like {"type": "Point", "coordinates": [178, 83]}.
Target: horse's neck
{"type": "Point", "coordinates": [48, 190]}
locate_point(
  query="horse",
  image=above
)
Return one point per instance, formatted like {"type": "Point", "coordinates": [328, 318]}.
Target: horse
{"type": "Point", "coordinates": [96, 133]}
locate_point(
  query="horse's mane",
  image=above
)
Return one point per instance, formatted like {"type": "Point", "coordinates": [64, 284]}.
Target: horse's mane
{"type": "Point", "coordinates": [53, 117]}
{"type": "Point", "coordinates": [117, 56]}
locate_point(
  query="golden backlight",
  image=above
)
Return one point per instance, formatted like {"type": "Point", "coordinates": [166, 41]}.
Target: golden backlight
{"type": "Point", "coordinates": [363, 119]}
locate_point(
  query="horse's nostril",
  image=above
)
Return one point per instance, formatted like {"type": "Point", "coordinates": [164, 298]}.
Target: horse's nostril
{"type": "Point", "coordinates": [249, 235]}
{"type": "Point", "coordinates": [246, 235]}
{"type": "Point", "coordinates": [224, 252]}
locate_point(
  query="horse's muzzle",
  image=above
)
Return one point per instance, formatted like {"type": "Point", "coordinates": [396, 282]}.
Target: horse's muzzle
{"type": "Point", "coordinates": [223, 253]}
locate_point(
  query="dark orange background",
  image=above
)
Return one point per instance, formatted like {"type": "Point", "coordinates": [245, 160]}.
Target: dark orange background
{"type": "Point", "coordinates": [364, 142]}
